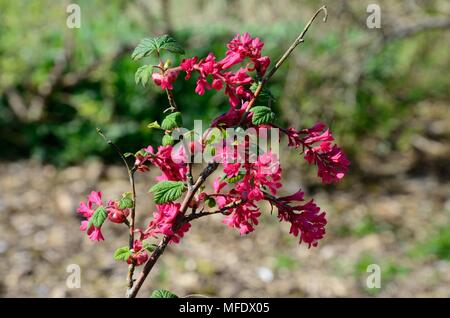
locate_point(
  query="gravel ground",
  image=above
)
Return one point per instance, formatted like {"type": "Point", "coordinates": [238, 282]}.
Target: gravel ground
{"type": "Point", "coordinates": [398, 223]}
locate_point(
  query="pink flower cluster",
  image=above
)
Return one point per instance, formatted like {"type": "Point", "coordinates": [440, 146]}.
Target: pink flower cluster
{"type": "Point", "coordinates": [87, 210]}
{"type": "Point", "coordinates": [251, 178]}
{"type": "Point", "coordinates": [236, 83]}
{"type": "Point", "coordinates": [332, 164]}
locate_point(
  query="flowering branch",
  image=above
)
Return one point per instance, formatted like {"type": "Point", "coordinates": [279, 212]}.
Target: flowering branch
{"type": "Point", "coordinates": [248, 176]}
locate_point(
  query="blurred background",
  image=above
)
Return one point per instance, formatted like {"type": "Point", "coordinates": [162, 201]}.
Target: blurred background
{"type": "Point", "coordinates": [384, 93]}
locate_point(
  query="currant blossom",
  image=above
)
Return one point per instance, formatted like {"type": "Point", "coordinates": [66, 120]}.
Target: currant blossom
{"type": "Point", "coordinates": [139, 255]}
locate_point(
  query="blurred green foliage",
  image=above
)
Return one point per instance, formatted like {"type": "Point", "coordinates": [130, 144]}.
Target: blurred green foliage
{"type": "Point", "coordinates": [436, 245]}
{"type": "Point", "coordinates": [344, 74]}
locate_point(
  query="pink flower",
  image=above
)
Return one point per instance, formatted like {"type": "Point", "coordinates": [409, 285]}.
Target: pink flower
{"type": "Point", "coordinates": [165, 80]}
{"type": "Point", "coordinates": [261, 64]}
{"type": "Point", "coordinates": [232, 58]}
{"type": "Point", "coordinates": [202, 85]}
{"type": "Point", "coordinates": [244, 218]}
{"type": "Point", "coordinates": [245, 46]}
{"type": "Point", "coordinates": [217, 84]}
{"type": "Point", "coordinates": [142, 158]}
{"type": "Point", "coordinates": [188, 66]}
{"type": "Point", "coordinates": [85, 209]}
{"type": "Point", "coordinates": [231, 169]}
{"type": "Point", "coordinates": [95, 198]}
{"type": "Point", "coordinates": [95, 234]}
{"type": "Point", "coordinates": [139, 256]}
{"type": "Point", "coordinates": [115, 214]}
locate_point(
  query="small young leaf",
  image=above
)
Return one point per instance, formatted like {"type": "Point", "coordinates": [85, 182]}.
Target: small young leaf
{"type": "Point", "coordinates": [161, 293]}
{"type": "Point", "coordinates": [122, 253]}
{"type": "Point", "coordinates": [211, 202]}
{"type": "Point", "coordinates": [99, 217]}
{"type": "Point", "coordinates": [154, 125]}
{"type": "Point", "coordinates": [167, 191]}
{"type": "Point", "coordinates": [262, 115]}
{"type": "Point", "coordinates": [125, 203]}
{"type": "Point", "coordinates": [150, 45]}
{"type": "Point", "coordinates": [167, 140]}
{"type": "Point", "coordinates": [237, 178]}
{"type": "Point", "coordinates": [143, 74]}
{"type": "Point", "coordinates": [128, 154]}
{"type": "Point", "coordinates": [172, 121]}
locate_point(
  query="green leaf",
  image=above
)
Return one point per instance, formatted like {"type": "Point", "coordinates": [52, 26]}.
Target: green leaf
{"type": "Point", "coordinates": [167, 140]}
{"type": "Point", "coordinates": [262, 115]}
{"type": "Point", "coordinates": [167, 191]}
{"type": "Point", "coordinates": [162, 293]}
{"type": "Point", "coordinates": [149, 46]}
{"type": "Point", "coordinates": [126, 202]}
{"type": "Point", "coordinates": [211, 202]}
{"type": "Point", "coordinates": [122, 253]}
{"type": "Point", "coordinates": [128, 154]}
{"type": "Point", "coordinates": [154, 125]}
{"type": "Point", "coordinates": [98, 218]}
{"type": "Point", "coordinates": [172, 121]}
{"type": "Point", "coordinates": [143, 74]}
{"type": "Point", "coordinates": [165, 42]}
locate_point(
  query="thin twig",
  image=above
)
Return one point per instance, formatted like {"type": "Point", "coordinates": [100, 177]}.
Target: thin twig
{"type": "Point", "coordinates": [298, 40]}
{"type": "Point", "coordinates": [223, 210]}
{"type": "Point", "coordinates": [131, 223]}
{"type": "Point", "coordinates": [173, 106]}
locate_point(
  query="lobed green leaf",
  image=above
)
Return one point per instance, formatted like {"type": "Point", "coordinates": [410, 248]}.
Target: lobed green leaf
{"type": "Point", "coordinates": [167, 191]}
{"type": "Point", "coordinates": [162, 293]}
{"type": "Point", "coordinates": [172, 121]}
{"type": "Point", "coordinates": [262, 115]}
